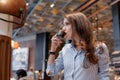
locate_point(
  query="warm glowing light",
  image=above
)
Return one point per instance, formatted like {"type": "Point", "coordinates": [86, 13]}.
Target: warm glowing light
{"type": "Point", "coordinates": [55, 11]}
{"type": "Point", "coordinates": [14, 44]}
{"type": "Point", "coordinates": [39, 7]}
{"type": "Point", "coordinates": [100, 29]}
{"type": "Point", "coordinates": [3, 1]}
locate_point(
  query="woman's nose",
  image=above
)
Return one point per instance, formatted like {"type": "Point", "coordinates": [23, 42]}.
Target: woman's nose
{"type": "Point", "coordinates": [63, 28]}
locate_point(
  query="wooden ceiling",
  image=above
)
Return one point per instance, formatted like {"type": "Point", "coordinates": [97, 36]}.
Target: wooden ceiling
{"type": "Point", "coordinates": [44, 18]}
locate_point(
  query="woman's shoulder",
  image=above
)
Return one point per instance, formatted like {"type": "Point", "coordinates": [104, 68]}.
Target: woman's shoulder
{"type": "Point", "coordinates": [66, 46]}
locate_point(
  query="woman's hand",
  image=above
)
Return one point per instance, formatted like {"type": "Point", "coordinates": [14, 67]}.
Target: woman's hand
{"type": "Point", "coordinates": [55, 42]}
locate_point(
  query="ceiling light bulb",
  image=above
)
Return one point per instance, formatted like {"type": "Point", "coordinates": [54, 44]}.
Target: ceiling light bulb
{"type": "Point", "coordinates": [52, 5]}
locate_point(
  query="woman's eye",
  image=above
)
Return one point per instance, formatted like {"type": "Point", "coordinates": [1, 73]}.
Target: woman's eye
{"type": "Point", "coordinates": [67, 23]}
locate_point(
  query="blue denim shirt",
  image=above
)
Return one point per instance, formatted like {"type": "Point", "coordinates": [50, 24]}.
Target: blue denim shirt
{"type": "Point", "coordinates": [71, 61]}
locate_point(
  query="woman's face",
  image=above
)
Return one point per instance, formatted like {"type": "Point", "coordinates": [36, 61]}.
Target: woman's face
{"type": "Point", "coordinates": [67, 28]}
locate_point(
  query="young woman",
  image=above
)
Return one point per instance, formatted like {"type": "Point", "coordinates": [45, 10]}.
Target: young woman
{"type": "Point", "coordinates": [83, 58]}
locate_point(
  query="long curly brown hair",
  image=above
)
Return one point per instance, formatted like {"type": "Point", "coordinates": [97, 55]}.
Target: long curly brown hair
{"type": "Point", "coordinates": [81, 24]}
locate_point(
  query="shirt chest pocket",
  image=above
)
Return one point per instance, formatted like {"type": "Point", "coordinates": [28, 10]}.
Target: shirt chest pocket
{"type": "Point", "coordinates": [73, 60]}
{"type": "Point", "coordinates": [78, 60]}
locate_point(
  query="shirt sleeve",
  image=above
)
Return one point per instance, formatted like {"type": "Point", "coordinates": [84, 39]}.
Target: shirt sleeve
{"type": "Point", "coordinates": [55, 67]}
{"type": "Point", "coordinates": [103, 63]}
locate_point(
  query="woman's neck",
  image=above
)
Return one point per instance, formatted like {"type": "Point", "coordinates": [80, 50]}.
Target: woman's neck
{"type": "Point", "coordinates": [76, 40]}
{"type": "Point", "coordinates": [77, 43]}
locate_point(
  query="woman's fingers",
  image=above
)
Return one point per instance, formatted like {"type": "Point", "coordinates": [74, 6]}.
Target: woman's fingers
{"type": "Point", "coordinates": [56, 39]}
{"type": "Point", "coordinates": [55, 42]}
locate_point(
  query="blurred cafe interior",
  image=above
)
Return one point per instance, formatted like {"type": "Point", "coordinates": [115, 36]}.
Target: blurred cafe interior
{"type": "Point", "coordinates": [26, 27]}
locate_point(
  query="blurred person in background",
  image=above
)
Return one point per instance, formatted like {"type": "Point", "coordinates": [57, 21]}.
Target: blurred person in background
{"type": "Point", "coordinates": [21, 74]}
{"type": "Point", "coordinates": [30, 73]}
